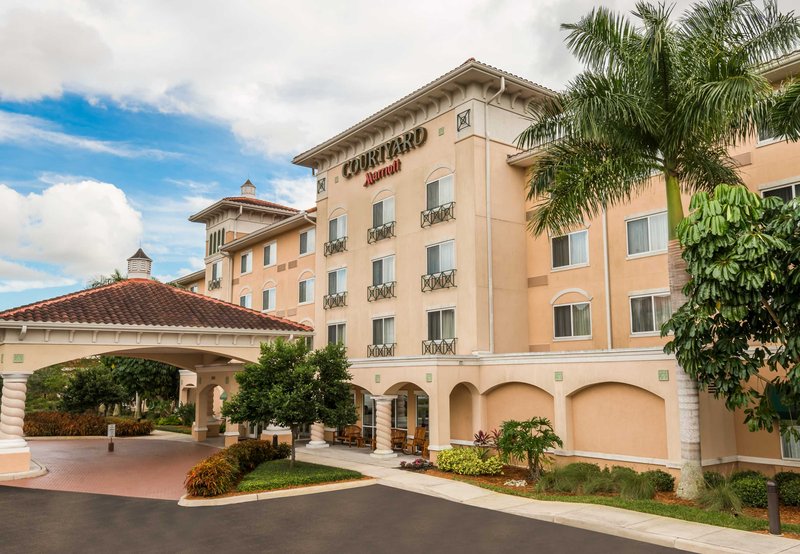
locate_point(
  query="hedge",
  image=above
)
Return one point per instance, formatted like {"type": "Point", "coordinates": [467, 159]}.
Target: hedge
{"type": "Point", "coordinates": [65, 424]}
{"type": "Point", "coordinates": [221, 472]}
{"type": "Point", "coordinates": [468, 461]}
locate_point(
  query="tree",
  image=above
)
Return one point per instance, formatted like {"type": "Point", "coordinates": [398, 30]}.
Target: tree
{"type": "Point", "coordinates": [144, 379]}
{"type": "Point", "coordinates": [527, 441]}
{"type": "Point", "coordinates": [657, 97]}
{"type": "Point", "coordinates": [89, 388]}
{"type": "Point", "coordinates": [45, 387]}
{"type": "Point", "coordinates": [103, 280]}
{"type": "Point", "coordinates": [739, 331]}
{"type": "Point", "coordinates": [294, 387]}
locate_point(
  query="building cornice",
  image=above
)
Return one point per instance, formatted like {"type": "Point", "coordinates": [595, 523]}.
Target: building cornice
{"type": "Point", "coordinates": [300, 220]}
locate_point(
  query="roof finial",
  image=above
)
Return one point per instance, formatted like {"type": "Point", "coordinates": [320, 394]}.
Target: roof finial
{"type": "Point", "coordinates": [248, 189]}
{"type": "Point", "coordinates": [139, 265]}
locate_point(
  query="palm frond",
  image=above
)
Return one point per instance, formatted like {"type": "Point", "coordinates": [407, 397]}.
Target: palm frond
{"type": "Point", "coordinates": [549, 122]}
{"type": "Point", "coordinates": [785, 114]}
{"type": "Point", "coordinates": [576, 179]}
{"type": "Point", "coordinates": [601, 39]}
{"type": "Point", "coordinates": [704, 166]}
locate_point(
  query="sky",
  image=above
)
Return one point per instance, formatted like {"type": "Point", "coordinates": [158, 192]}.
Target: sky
{"type": "Point", "coordinates": [120, 119]}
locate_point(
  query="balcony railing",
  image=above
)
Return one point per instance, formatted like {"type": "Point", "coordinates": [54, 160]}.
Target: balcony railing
{"type": "Point", "coordinates": [380, 232]}
{"type": "Point", "coordinates": [380, 350]}
{"type": "Point", "coordinates": [336, 245]}
{"type": "Point", "coordinates": [441, 280]}
{"type": "Point", "coordinates": [384, 290]}
{"type": "Point", "coordinates": [438, 214]}
{"type": "Point", "coordinates": [337, 300]}
{"type": "Point", "coordinates": [214, 284]}
{"type": "Point", "coordinates": [439, 347]}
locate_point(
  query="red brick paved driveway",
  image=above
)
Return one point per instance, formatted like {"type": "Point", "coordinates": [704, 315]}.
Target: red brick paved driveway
{"type": "Point", "coordinates": [141, 468]}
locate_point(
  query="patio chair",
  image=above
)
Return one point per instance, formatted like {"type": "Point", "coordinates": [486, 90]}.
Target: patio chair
{"type": "Point", "coordinates": [399, 438]}
{"type": "Point", "coordinates": [351, 434]}
{"type": "Point", "coordinates": [418, 443]}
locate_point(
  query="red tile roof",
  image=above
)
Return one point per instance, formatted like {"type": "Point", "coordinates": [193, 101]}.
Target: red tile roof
{"type": "Point", "coordinates": [146, 302]}
{"type": "Point", "coordinates": [258, 202]}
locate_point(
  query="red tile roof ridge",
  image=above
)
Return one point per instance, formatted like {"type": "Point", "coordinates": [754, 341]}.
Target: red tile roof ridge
{"type": "Point", "coordinates": [55, 299]}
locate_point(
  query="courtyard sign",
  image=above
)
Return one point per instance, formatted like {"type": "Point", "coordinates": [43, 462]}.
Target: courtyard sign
{"type": "Point", "coordinates": [381, 154]}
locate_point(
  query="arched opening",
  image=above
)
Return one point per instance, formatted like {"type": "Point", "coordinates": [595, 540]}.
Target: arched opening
{"type": "Point", "coordinates": [462, 419]}
{"type": "Point", "coordinates": [518, 401]}
{"type": "Point", "coordinates": [634, 423]}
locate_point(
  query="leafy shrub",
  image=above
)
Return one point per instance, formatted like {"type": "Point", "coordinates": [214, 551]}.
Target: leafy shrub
{"type": "Point", "coordinates": [745, 474]}
{"type": "Point", "coordinates": [186, 413]}
{"type": "Point", "coordinates": [720, 498]}
{"type": "Point", "coordinates": [130, 427]}
{"type": "Point", "coordinates": [420, 464]}
{"type": "Point", "coordinates": [600, 483]}
{"type": "Point", "coordinates": [785, 476]}
{"type": "Point", "coordinates": [713, 479]}
{"type": "Point", "coordinates": [789, 492]}
{"type": "Point", "coordinates": [561, 480]}
{"type": "Point", "coordinates": [63, 424]}
{"type": "Point", "coordinates": [636, 486]}
{"type": "Point", "coordinates": [467, 461]}
{"type": "Point", "coordinates": [662, 481]}
{"type": "Point", "coordinates": [211, 477]}
{"type": "Point", "coordinates": [247, 455]}
{"type": "Point", "coordinates": [621, 472]}
{"type": "Point", "coordinates": [584, 469]}
{"type": "Point", "coordinates": [752, 489]}
{"type": "Point", "coordinates": [169, 420]}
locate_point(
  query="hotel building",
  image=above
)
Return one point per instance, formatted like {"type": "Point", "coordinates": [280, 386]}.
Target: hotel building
{"type": "Point", "coordinates": [417, 257]}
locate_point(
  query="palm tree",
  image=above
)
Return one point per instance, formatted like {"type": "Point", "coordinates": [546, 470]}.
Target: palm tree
{"type": "Point", "coordinates": [657, 97]}
{"type": "Point", "coordinates": [103, 280]}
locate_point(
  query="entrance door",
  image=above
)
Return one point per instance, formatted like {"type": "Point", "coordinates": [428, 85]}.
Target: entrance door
{"type": "Point", "coordinates": [254, 430]}
{"type": "Point", "coordinates": [368, 417]}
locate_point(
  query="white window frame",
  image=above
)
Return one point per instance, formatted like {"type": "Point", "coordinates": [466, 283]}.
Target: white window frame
{"type": "Point", "coordinates": [452, 180]}
{"type": "Point", "coordinates": [273, 252]}
{"type": "Point", "coordinates": [572, 322]}
{"type": "Point", "coordinates": [311, 238]}
{"type": "Point", "coordinates": [455, 258]}
{"type": "Point", "coordinates": [246, 260]}
{"type": "Point", "coordinates": [248, 300]}
{"type": "Point", "coordinates": [394, 212]}
{"type": "Point", "coordinates": [216, 270]}
{"type": "Point", "coordinates": [394, 329]}
{"type": "Point", "coordinates": [383, 259]}
{"type": "Point", "coordinates": [335, 324]}
{"type": "Point", "coordinates": [274, 296]}
{"type": "Point", "coordinates": [649, 251]}
{"type": "Point", "coordinates": [793, 186]}
{"type": "Point", "coordinates": [339, 219]}
{"type": "Point", "coordinates": [328, 281]}
{"type": "Point", "coordinates": [570, 265]}
{"type": "Point", "coordinates": [455, 323]}
{"type": "Point", "coordinates": [313, 284]}
{"type": "Point", "coordinates": [783, 452]}
{"type": "Point", "coordinates": [195, 289]}
{"type": "Point", "coordinates": [656, 330]}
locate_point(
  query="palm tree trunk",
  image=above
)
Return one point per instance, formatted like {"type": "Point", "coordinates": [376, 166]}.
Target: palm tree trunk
{"type": "Point", "coordinates": [688, 396]}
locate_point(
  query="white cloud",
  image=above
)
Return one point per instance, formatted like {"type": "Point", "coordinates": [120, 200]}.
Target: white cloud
{"type": "Point", "coordinates": [283, 76]}
{"type": "Point", "coordinates": [82, 229]}
{"type": "Point", "coordinates": [297, 193]}
{"type": "Point", "coordinates": [26, 129]}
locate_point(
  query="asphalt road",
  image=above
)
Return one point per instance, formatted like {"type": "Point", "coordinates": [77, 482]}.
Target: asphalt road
{"type": "Point", "coordinates": [368, 519]}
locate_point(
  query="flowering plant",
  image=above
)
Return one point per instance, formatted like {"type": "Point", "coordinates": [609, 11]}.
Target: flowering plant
{"type": "Point", "coordinates": [419, 464]}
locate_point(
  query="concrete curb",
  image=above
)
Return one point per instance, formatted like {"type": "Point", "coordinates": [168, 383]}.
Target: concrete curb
{"type": "Point", "coordinates": [270, 495]}
{"type": "Point", "coordinates": [36, 470]}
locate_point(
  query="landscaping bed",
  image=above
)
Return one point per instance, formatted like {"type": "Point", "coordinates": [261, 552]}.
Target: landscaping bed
{"type": "Point", "coordinates": [66, 424]}
{"type": "Point", "coordinates": [276, 474]}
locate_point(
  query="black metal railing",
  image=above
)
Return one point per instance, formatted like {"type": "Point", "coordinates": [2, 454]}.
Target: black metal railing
{"type": "Point", "coordinates": [380, 350]}
{"type": "Point", "coordinates": [380, 232]}
{"type": "Point", "coordinates": [215, 283]}
{"type": "Point", "coordinates": [439, 347]}
{"type": "Point", "coordinates": [438, 214]}
{"type": "Point", "coordinates": [377, 292]}
{"type": "Point", "coordinates": [336, 245]}
{"type": "Point", "coordinates": [441, 280]}
{"type": "Point", "coordinates": [321, 185]}
{"type": "Point", "coordinates": [337, 300]}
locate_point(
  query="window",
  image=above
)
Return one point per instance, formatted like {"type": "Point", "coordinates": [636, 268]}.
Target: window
{"type": "Point", "coordinates": [216, 270]}
{"type": "Point", "coordinates": [442, 324]}
{"type": "Point", "coordinates": [400, 411]}
{"type": "Point", "coordinates": [422, 409]}
{"type": "Point", "coordinates": [649, 313]}
{"type": "Point", "coordinates": [307, 239]}
{"type": "Point", "coordinates": [309, 343]}
{"type": "Point", "coordinates": [194, 288]}
{"type": "Point", "coordinates": [337, 281]}
{"type": "Point", "coordinates": [441, 257]}
{"type": "Point", "coordinates": [336, 333]}
{"type": "Point", "coordinates": [439, 192]}
{"type": "Point", "coordinates": [246, 300]}
{"type": "Point", "coordinates": [383, 270]}
{"type": "Point", "coordinates": [268, 299]}
{"type": "Point", "coordinates": [647, 234]}
{"type": "Point", "coordinates": [572, 320]}
{"type": "Point", "coordinates": [785, 193]}
{"type": "Point", "coordinates": [305, 293]}
{"type": "Point", "coordinates": [337, 228]}
{"type": "Point", "coordinates": [383, 330]}
{"type": "Point", "coordinates": [216, 240]}
{"type": "Point", "coordinates": [571, 249]}
{"type": "Point", "coordinates": [247, 262]}
{"type": "Point", "coordinates": [383, 212]}
{"type": "Point", "coordinates": [270, 254]}
{"type": "Point", "coordinates": [790, 445]}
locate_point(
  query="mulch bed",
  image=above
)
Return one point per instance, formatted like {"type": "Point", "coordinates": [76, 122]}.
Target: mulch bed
{"type": "Point", "coordinates": [789, 514]}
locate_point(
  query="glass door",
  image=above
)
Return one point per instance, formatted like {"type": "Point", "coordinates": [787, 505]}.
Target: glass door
{"type": "Point", "coordinates": [368, 417]}
{"type": "Point", "coordinates": [254, 430]}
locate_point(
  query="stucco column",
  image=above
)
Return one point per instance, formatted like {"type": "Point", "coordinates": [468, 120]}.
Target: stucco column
{"type": "Point", "coordinates": [284, 433]}
{"type": "Point", "coordinates": [15, 456]}
{"type": "Point", "coordinates": [231, 432]}
{"type": "Point", "coordinates": [317, 436]}
{"type": "Point", "coordinates": [199, 428]}
{"type": "Point", "coordinates": [383, 426]}
{"type": "Point", "coordinates": [212, 423]}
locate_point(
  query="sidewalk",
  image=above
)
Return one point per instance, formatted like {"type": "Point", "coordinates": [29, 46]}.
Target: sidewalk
{"type": "Point", "coordinates": [664, 531]}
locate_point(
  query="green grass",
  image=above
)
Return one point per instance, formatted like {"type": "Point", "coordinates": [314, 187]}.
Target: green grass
{"type": "Point", "coordinates": [677, 511]}
{"type": "Point", "coordinates": [186, 430]}
{"type": "Point", "coordinates": [277, 475]}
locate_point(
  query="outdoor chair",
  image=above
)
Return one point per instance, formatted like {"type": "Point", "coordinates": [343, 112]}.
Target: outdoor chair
{"type": "Point", "coordinates": [418, 443]}
{"type": "Point", "coordinates": [351, 434]}
{"type": "Point", "coordinates": [399, 438]}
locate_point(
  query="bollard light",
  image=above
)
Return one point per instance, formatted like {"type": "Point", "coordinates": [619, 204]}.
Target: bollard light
{"type": "Point", "coordinates": [772, 508]}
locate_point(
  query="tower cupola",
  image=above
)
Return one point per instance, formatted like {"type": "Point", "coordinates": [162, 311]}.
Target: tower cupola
{"type": "Point", "coordinates": [139, 265]}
